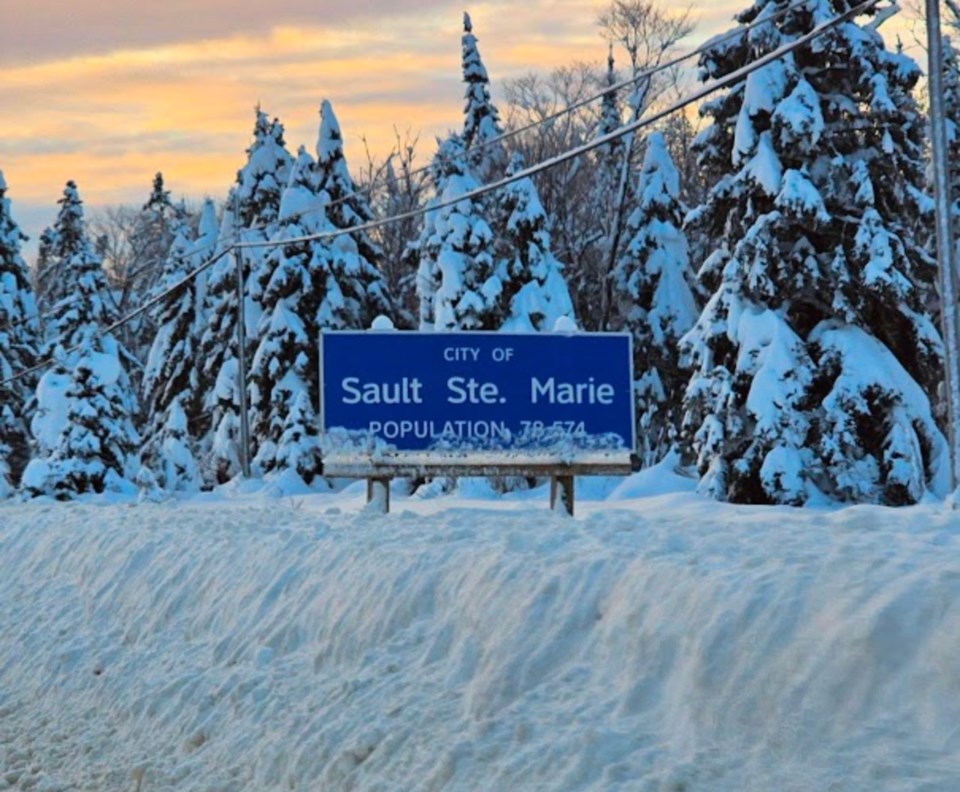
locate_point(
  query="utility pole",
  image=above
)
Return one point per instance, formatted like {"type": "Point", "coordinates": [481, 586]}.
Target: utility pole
{"type": "Point", "coordinates": [945, 249]}
{"type": "Point", "coordinates": [241, 343]}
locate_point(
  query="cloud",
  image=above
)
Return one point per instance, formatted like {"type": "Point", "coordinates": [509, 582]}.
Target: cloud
{"type": "Point", "coordinates": [37, 30]}
{"type": "Point", "coordinates": [107, 92]}
{"type": "Point", "coordinates": [155, 102]}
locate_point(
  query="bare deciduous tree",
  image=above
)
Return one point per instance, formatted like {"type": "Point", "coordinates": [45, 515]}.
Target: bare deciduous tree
{"type": "Point", "coordinates": [565, 189]}
{"type": "Point", "coordinates": [397, 186]}
{"type": "Point", "coordinates": [648, 34]}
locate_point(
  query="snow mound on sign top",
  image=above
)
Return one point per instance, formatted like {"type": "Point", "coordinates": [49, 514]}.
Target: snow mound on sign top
{"type": "Point", "coordinates": [292, 644]}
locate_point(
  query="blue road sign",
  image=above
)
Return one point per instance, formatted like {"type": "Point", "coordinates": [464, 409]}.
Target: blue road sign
{"type": "Point", "coordinates": [417, 391]}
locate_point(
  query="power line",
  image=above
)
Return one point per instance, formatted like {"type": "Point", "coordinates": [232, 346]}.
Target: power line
{"type": "Point", "coordinates": [651, 72]}
{"type": "Point", "coordinates": [512, 133]}
{"type": "Point", "coordinates": [43, 317]}
{"type": "Point", "coordinates": [509, 134]}
{"type": "Point", "coordinates": [578, 151]}
{"type": "Point", "coordinates": [129, 317]}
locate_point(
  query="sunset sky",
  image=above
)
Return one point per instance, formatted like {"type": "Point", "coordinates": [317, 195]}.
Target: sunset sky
{"type": "Point", "coordinates": [107, 92]}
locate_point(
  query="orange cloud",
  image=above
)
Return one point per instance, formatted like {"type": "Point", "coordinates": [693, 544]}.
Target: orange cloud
{"type": "Point", "coordinates": [143, 102]}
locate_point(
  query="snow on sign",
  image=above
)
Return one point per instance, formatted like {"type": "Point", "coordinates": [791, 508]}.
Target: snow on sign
{"type": "Point", "coordinates": [418, 391]}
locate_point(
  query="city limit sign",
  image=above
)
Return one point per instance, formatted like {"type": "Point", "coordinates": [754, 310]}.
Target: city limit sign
{"type": "Point", "coordinates": [419, 391]}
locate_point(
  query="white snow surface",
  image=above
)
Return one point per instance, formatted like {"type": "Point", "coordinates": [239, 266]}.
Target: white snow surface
{"type": "Point", "coordinates": [50, 419]}
{"type": "Point", "coordinates": [251, 639]}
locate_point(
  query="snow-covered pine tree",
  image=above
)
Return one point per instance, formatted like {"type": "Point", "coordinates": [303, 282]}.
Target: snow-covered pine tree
{"type": "Point", "coordinates": [169, 456]}
{"type": "Point", "coordinates": [354, 255]}
{"type": "Point", "coordinates": [260, 185]}
{"type": "Point", "coordinates": [220, 428]}
{"type": "Point", "coordinates": [19, 341]}
{"type": "Point", "coordinates": [297, 447]}
{"type": "Point", "coordinates": [654, 301]}
{"type": "Point", "coordinates": [59, 245]}
{"type": "Point", "coordinates": [255, 202]}
{"type": "Point", "coordinates": [421, 251]}
{"type": "Point", "coordinates": [299, 285]}
{"type": "Point", "coordinates": [481, 124]}
{"type": "Point", "coordinates": [534, 294]}
{"type": "Point", "coordinates": [84, 301]}
{"type": "Point", "coordinates": [154, 230]}
{"type": "Point", "coordinates": [609, 155]}
{"type": "Point", "coordinates": [173, 388]}
{"type": "Point", "coordinates": [205, 248]}
{"type": "Point", "coordinates": [457, 281]}
{"type": "Point", "coordinates": [83, 425]}
{"type": "Point", "coordinates": [261, 181]}
{"type": "Point", "coordinates": [815, 357]}
{"type": "Point", "coordinates": [171, 370]}
{"type": "Point", "coordinates": [95, 447]}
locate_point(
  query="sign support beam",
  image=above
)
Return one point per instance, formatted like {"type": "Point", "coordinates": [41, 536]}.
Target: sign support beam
{"type": "Point", "coordinates": [378, 495]}
{"type": "Point", "coordinates": [561, 494]}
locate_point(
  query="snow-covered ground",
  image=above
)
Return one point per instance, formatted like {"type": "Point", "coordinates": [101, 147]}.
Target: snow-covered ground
{"type": "Point", "coordinates": [658, 641]}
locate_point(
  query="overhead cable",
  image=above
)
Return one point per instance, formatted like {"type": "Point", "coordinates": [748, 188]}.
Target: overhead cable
{"type": "Point", "coordinates": [724, 82]}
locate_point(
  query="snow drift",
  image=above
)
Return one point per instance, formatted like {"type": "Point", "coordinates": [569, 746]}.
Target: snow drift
{"type": "Point", "coordinates": [663, 643]}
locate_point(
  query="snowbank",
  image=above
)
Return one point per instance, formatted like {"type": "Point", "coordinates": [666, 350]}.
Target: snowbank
{"type": "Point", "coordinates": [664, 643]}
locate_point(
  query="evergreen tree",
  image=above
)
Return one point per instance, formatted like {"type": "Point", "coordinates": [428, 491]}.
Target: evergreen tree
{"type": "Point", "coordinates": [205, 248]}
{"type": "Point", "coordinates": [175, 262]}
{"type": "Point", "coordinates": [261, 181]}
{"type": "Point", "coordinates": [481, 124]}
{"type": "Point", "coordinates": [132, 243]}
{"type": "Point", "coordinates": [297, 447]}
{"type": "Point", "coordinates": [608, 158]}
{"type": "Point", "coordinates": [84, 301]}
{"type": "Point", "coordinates": [169, 459]}
{"type": "Point", "coordinates": [155, 230]}
{"type": "Point", "coordinates": [354, 255]}
{"type": "Point", "coordinates": [95, 447]}
{"type": "Point", "coordinates": [43, 275]}
{"type": "Point", "coordinates": [218, 358]}
{"type": "Point", "coordinates": [815, 357]}
{"type": "Point", "coordinates": [534, 294]}
{"type": "Point", "coordinates": [260, 185]}
{"type": "Point", "coordinates": [173, 383]}
{"type": "Point", "coordinates": [421, 251]}
{"type": "Point", "coordinates": [654, 301]}
{"type": "Point", "coordinates": [255, 202]}
{"type": "Point", "coordinates": [171, 371]}
{"type": "Point", "coordinates": [457, 280]}
{"type": "Point", "coordinates": [159, 202]}
{"type": "Point", "coordinates": [19, 339]}
{"type": "Point", "coordinates": [61, 247]}
{"type": "Point", "coordinates": [299, 287]}
{"type": "Point", "coordinates": [83, 425]}
{"type": "Point", "coordinates": [610, 116]}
